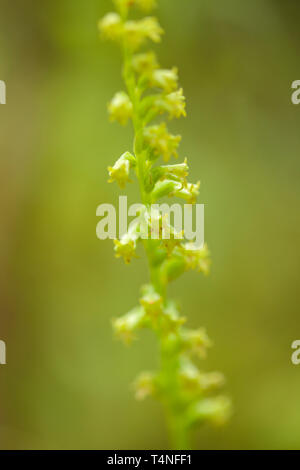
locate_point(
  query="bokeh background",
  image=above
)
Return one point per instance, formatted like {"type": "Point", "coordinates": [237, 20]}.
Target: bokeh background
{"type": "Point", "coordinates": [67, 381]}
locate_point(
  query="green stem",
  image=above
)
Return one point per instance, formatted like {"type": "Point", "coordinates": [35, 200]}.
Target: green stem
{"type": "Point", "coordinates": [179, 434]}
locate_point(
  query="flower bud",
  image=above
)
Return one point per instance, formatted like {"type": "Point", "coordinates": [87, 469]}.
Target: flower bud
{"type": "Point", "coordinates": [164, 188]}
{"type": "Point", "coordinates": [172, 268]}
{"type": "Point", "coordinates": [120, 108]}
{"type": "Point", "coordinates": [111, 26]}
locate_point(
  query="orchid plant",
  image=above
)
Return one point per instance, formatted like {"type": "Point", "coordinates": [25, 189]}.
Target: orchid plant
{"type": "Point", "coordinates": [188, 395]}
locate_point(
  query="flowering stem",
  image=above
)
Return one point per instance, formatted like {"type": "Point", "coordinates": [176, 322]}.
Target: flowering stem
{"type": "Point", "coordinates": [182, 388]}
{"type": "Point", "coordinates": [179, 434]}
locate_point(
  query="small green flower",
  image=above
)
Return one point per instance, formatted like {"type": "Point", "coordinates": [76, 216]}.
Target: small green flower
{"type": "Point", "coordinates": [136, 32]}
{"type": "Point", "coordinates": [176, 187]}
{"type": "Point", "coordinates": [215, 410]}
{"type": "Point", "coordinates": [172, 314]}
{"type": "Point", "coordinates": [180, 170]}
{"type": "Point", "coordinates": [177, 172]}
{"type": "Point", "coordinates": [188, 191]}
{"type": "Point", "coordinates": [111, 26]}
{"type": "Point", "coordinates": [125, 326]}
{"type": "Point", "coordinates": [197, 382]}
{"type": "Point", "coordinates": [212, 381]}
{"type": "Point", "coordinates": [126, 247]}
{"type": "Point", "coordinates": [196, 258]}
{"type": "Point", "coordinates": [120, 108]}
{"type": "Point", "coordinates": [145, 385]}
{"type": "Point", "coordinates": [145, 63]}
{"type": "Point", "coordinates": [173, 104]}
{"type": "Point", "coordinates": [189, 375]}
{"type": "Point", "coordinates": [170, 237]}
{"type": "Point", "coordinates": [151, 301]}
{"type": "Point", "coordinates": [165, 79]}
{"type": "Point", "coordinates": [195, 342]}
{"type": "Point", "coordinates": [121, 169]}
{"type": "Point", "coordinates": [162, 143]}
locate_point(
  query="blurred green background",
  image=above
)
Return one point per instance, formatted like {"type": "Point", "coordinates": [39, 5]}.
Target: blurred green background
{"type": "Point", "coordinates": [67, 381]}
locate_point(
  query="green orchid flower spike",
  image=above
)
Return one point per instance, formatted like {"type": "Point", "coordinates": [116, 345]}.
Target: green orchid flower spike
{"type": "Point", "coordinates": [188, 395]}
